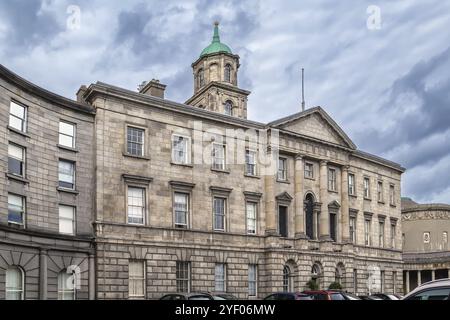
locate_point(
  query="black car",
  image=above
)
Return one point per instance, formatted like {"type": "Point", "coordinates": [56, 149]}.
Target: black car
{"type": "Point", "coordinates": [187, 296]}
{"type": "Point", "coordinates": [384, 296]}
{"type": "Point", "coordinates": [288, 296]}
{"type": "Point", "coordinates": [224, 296]}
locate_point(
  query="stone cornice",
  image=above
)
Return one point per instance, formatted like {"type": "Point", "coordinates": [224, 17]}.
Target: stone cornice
{"type": "Point", "coordinates": [436, 214]}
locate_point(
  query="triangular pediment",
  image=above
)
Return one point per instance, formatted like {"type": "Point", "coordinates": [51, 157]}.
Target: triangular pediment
{"type": "Point", "coordinates": [317, 124]}
{"type": "Point", "coordinates": [286, 197]}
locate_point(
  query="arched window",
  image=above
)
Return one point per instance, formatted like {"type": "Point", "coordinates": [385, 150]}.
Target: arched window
{"type": "Point", "coordinates": [316, 273]}
{"type": "Point", "coordinates": [66, 285]}
{"type": "Point", "coordinates": [288, 283]}
{"type": "Point", "coordinates": [339, 273]}
{"type": "Point", "coordinates": [309, 216]}
{"type": "Point", "coordinates": [228, 73]}
{"type": "Point", "coordinates": [200, 78]}
{"type": "Point", "coordinates": [14, 284]}
{"type": "Point", "coordinates": [228, 108]}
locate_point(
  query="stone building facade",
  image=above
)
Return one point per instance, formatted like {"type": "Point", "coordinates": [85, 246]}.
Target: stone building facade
{"type": "Point", "coordinates": [181, 208]}
{"type": "Point", "coordinates": [46, 234]}
{"type": "Point", "coordinates": [426, 252]}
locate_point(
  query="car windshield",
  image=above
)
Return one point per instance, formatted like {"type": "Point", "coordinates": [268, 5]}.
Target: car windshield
{"type": "Point", "coordinates": [337, 296]}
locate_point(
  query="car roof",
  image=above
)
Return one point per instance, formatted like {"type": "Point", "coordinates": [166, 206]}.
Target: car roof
{"type": "Point", "coordinates": [431, 284]}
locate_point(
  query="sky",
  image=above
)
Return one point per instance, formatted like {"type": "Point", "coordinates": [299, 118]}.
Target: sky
{"type": "Point", "coordinates": [381, 69]}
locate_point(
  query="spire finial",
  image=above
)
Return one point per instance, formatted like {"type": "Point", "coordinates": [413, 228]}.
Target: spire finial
{"type": "Point", "coordinates": [216, 37]}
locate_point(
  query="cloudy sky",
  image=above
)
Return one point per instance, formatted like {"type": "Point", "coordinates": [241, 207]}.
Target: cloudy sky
{"type": "Point", "coordinates": [381, 69]}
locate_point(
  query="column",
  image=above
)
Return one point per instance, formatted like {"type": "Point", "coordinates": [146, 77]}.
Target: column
{"type": "Point", "coordinates": [324, 224]}
{"type": "Point", "coordinates": [407, 282]}
{"type": "Point", "coordinates": [269, 179]}
{"type": "Point", "coordinates": [419, 278]}
{"type": "Point", "coordinates": [345, 227]}
{"type": "Point", "coordinates": [91, 277]}
{"type": "Point", "coordinates": [433, 275]}
{"type": "Point", "coordinates": [43, 274]}
{"type": "Point", "coordinates": [299, 211]}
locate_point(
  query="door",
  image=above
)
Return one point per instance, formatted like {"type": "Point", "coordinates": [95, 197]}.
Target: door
{"type": "Point", "coordinates": [282, 221]}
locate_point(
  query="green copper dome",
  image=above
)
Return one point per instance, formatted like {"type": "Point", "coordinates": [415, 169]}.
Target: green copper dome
{"type": "Point", "coordinates": [216, 46]}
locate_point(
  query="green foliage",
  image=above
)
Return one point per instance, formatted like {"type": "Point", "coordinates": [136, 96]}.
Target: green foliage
{"type": "Point", "coordinates": [312, 285]}
{"type": "Point", "coordinates": [335, 286]}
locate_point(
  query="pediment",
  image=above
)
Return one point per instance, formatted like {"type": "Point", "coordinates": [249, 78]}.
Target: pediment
{"type": "Point", "coordinates": [285, 197]}
{"type": "Point", "coordinates": [317, 124]}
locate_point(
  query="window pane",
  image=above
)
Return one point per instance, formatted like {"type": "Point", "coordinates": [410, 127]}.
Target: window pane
{"type": "Point", "coordinates": [17, 110]}
{"type": "Point", "coordinates": [67, 128]}
{"type": "Point", "coordinates": [136, 205]}
{"type": "Point", "coordinates": [15, 209]}
{"type": "Point", "coordinates": [181, 208]}
{"type": "Point", "coordinates": [66, 174]}
{"type": "Point", "coordinates": [66, 287]}
{"type": "Point", "coordinates": [14, 284]}
{"type": "Point", "coordinates": [15, 151]}
{"type": "Point", "coordinates": [136, 274]}
{"type": "Point", "coordinates": [135, 141]}
{"type": "Point", "coordinates": [66, 141]}
{"type": "Point", "coordinates": [66, 219]}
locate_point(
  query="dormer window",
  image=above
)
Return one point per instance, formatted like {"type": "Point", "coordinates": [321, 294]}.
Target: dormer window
{"type": "Point", "coordinates": [200, 78]}
{"type": "Point", "coordinates": [228, 73]}
{"type": "Point", "coordinates": [228, 108]}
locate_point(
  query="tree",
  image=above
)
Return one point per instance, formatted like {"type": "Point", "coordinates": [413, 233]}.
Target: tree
{"type": "Point", "coordinates": [312, 284]}
{"type": "Point", "coordinates": [335, 286]}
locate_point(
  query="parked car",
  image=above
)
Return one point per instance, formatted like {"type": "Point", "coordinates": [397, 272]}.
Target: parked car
{"type": "Point", "coordinates": [288, 296]}
{"type": "Point", "coordinates": [224, 296]}
{"type": "Point", "coordinates": [433, 290]}
{"type": "Point", "coordinates": [187, 296]}
{"type": "Point", "coordinates": [369, 298]}
{"type": "Point", "coordinates": [325, 294]}
{"type": "Point", "coordinates": [350, 296]}
{"type": "Point", "coordinates": [384, 296]}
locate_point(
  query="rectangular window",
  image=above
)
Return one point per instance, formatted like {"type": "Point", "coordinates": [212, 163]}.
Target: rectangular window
{"type": "Point", "coordinates": [181, 150]}
{"type": "Point", "coordinates": [181, 207]}
{"type": "Point", "coordinates": [136, 279]}
{"type": "Point", "coordinates": [183, 276]}
{"type": "Point", "coordinates": [383, 281]}
{"type": "Point", "coordinates": [220, 278]}
{"type": "Point", "coordinates": [16, 160]}
{"type": "Point", "coordinates": [250, 163]}
{"type": "Point", "coordinates": [16, 209]}
{"type": "Point", "coordinates": [219, 214]}
{"type": "Point", "coordinates": [355, 281]}
{"type": "Point", "coordinates": [380, 191]}
{"type": "Point", "coordinates": [135, 141]}
{"type": "Point", "coordinates": [367, 233]}
{"type": "Point", "coordinates": [17, 116]}
{"type": "Point", "coordinates": [353, 229]}
{"type": "Point", "coordinates": [66, 174]}
{"type": "Point", "coordinates": [332, 179]}
{"type": "Point", "coordinates": [381, 234]}
{"type": "Point", "coordinates": [218, 156]}
{"type": "Point", "coordinates": [283, 221]}
{"type": "Point", "coordinates": [392, 194]}
{"type": "Point", "coordinates": [367, 188]}
{"type": "Point", "coordinates": [351, 184]}
{"type": "Point", "coordinates": [394, 281]}
{"type": "Point", "coordinates": [393, 234]}
{"type": "Point", "coordinates": [136, 205]}
{"type": "Point", "coordinates": [309, 170]}
{"type": "Point", "coordinates": [66, 220]}
{"type": "Point", "coordinates": [67, 134]}
{"type": "Point", "coordinates": [252, 280]}
{"type": "Point", "coordinates": [282, 169]}
{"type": "Point", "coordinates": [251, 208]}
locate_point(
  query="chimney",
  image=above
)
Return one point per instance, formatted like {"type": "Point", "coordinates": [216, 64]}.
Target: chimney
{"type": "Point", "coordinates": [81, 93]}
{"type": "Point", "coordinates": [153, 88]}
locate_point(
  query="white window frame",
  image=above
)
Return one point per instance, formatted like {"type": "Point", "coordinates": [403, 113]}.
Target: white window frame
{"type": "Point", "coordinates": [220, 280]}
{"type": "Point", "coordinates": [381, 235]}
{"type": "Point", "coordinates": [24, 121]}
{"type": "Point", "coordinates": [144, 203]}
{"type": "Point", "coordinates": [366, 187]}
{"type": "Point", "coordinates": [224, 215]}
{"type": "Point", "coordinates": [352, 227]}
{"type": "Point", "coordinates": [23, 211]}
{"type": "Point", "coordinates": [62, 292]}
{"type": "Point", "coordinates": [186, 212]}
{"type": "Point", "coordinates": [74, 127]}
{"type": "Point", "coordinates": [367, 232]}
{"type": "Point", "coordinates": [73, 164]}
{"type": "Point", "coordinates": [250, 154]}
{"type": "Point", "coordinates": [253, 281]}
{"type": "Point", "coordinates": [380, 193]}
{"type": "Point", "coordinates": [216, 165]}
{"type": "Point", "coordinates": [351, 184]}
{"type": "Point", "coordinates": [248, 218]}
{"type": "Point", "coordinates": [73, 220]}
{"type": "Point", "coordinates": [332, 179]}
{"type": "Point", "coordinates": [183, 264]}
{"type": "Point", "coordinates": [309, 174]}
{"type": "Point", "coordinates": [393, 235]}
{"type": "Point", "coordinates": [187, 152]}
{"type": "Point", "coordinates": [282, 173]}
{"type": "Point", "coordinates": [392, 194]}
{"type": "Point", "coordinates": [22, 275]}
{"type": "Point", "coordinates": [22, 160]}
{"type": "Point", "coordinates": [142, 144]}
{"type": "Point", "coordinates": [136, 278]}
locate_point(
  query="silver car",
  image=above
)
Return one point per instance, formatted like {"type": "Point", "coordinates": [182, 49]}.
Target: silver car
{"type": "Point", "coordinates": [433, 290]}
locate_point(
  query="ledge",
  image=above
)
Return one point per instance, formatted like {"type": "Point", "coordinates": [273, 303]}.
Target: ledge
{"type": "Point", "coordinates": [333, 191]}
{"type": "Point", "coordinates": [135, 157]}
{"type": "Point", "coordinates": [67, 190]}
{"type": "Point", "coordinates": [17, 178]}
{"type": "Point", "coordinates": [353, 196]}
{"type": "Point", "coordinates": [182, 184]}
{"type": "Point", "coordinates": [67, 148]}
{"type": "Point", "coordinates": [221, 171]}
{"type": "Point", "coordinates": [308, 178]}
{"type": "Point", "coordinates": [283, 181]}
{"type": "Point", "coordinates": [252, 195]}
{"type": "Point", "coordinates": [24, 134]}
{"type": "Point", "coordinates": [220, 190]}
{"type": "Point", "coordinates": [188, 165]}
{"type": "Point", "coordinates": [136, 179]}
{"type": "Point", "coordinates": [252, 176]}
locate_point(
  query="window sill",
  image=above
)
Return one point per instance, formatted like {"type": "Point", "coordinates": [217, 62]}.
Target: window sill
{"type": "Point", "coordinates": [252, 176]}
{"type": "Point", "coordinates": [283, 181]}
{"type": "Point", "coordinates": [188, 165]}
{"type": "Point", "coordinates": [333, 191]}
{"type": "Point", "coordinates": [353, 196]}
{"type": "Point", "coordinates": [309, 178]}
{"type": "Point", "coordinates": [381, 202]}
{"type": "Point", "coordinates": [17, 178]}
{"type": "Point", "coordinates": [221, 171]}
{"type": "Point", "coordinates": [67, 148]}
{"type": "Point", "coordinates": [368, 199]}
{"type": "Point", "coordinates": [24, 134]}
{"type": "Point", "coordinates": [393, 205]}
{"type": "Point", "coordinates": [16, 225]}
{"type": "Point", "coordinates": [135, 157]}
{"type": "Point", "coordinates": [67, 190]}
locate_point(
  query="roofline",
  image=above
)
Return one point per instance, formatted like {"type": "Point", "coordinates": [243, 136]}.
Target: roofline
{"type": "Point", "coordinates": [51, 97]}
{"type": "Point", "coordinates": [371, 157]}
{"type": "Point", "coordinates": [218, 84]}
{"type": "Point", "coordinates": [427, 207]}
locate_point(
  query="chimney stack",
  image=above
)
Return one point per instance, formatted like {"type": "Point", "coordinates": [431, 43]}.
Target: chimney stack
{"type": "Point", "coordinates": [153, 88]}
{"type": "Point", "coordinates": [81, 93]}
